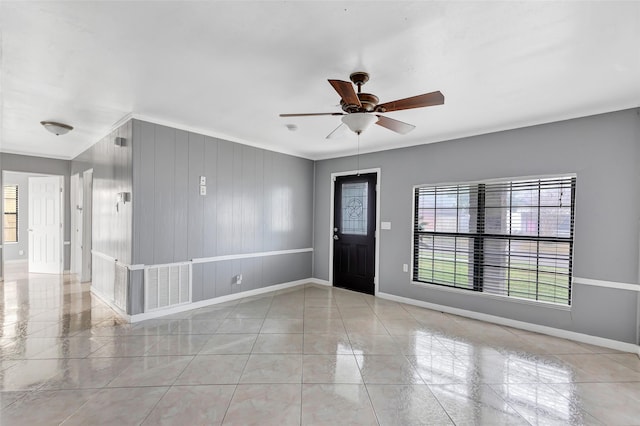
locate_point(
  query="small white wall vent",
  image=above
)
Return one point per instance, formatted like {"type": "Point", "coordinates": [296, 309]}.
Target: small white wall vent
{"type": "Point", "coordinates": [166, 286]}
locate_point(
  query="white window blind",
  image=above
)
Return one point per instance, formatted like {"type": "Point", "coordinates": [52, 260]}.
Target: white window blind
{"type": "Point", "coordinates": [511, 238]}
{"type": "Point", "coordinates": [10, 216]}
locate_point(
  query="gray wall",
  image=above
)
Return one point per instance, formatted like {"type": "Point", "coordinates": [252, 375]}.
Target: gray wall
{"type": "Point", "coordinates": [256, 201]}
{"type": "Point", "coordinates": [29, 164]}
{"type": "Point", "coordinates": [604, 152]}
{"type": "Point", "coordinates": [112, 173]}
{"type": "Point", "coordinates": [12, 250]}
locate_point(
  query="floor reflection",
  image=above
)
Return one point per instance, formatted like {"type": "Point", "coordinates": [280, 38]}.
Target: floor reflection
{"type": "Point", "coordinates": [304, 355]}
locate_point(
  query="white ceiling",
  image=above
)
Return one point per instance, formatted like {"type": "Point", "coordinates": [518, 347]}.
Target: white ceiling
{"type": "Point", "coordinates": [229, 68]}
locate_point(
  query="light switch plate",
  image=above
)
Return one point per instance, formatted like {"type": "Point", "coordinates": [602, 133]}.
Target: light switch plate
{"type": "Point", "coordinates": [203, 190]}
{"type": "Point", "coordinates": [203, 180]}
{"type": "Point", "coordinates": [385, 225]}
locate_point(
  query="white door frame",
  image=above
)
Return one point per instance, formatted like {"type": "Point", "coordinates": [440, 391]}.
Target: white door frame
{"type": "Point", "coordinates": [377, 171]}
{"type": "Point", "coordinates": [73, 183]}
{"type": "Point", "coordinates": [87, 226]}
{"type": "Point", "coordinates": [2, 271]}
{"type": "Point", "coordinates": [75, 194]}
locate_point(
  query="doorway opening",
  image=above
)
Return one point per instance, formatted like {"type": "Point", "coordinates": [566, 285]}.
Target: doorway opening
{"type": "Point", "coordinates": [81, 224]}
{"type": "Point", "coordinates": [32, 223]}
{"type": "Point", "coordinates": [354, 242]}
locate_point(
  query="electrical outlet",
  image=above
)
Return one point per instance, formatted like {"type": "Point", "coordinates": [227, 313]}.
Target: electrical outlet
{"type": "Point", "coordinates": [203, 190]}
{"type": "Point", "coordinates": [405, 268]}
{"type": "Point", "coordinates": [203, 180]}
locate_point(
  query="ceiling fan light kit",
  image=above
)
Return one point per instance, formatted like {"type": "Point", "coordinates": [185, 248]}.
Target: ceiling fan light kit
{"type": "Point", "coordinates": [361, 110]}
{"type": "Point", "coordinates": [56, 128]}
{"type": "Point", "coordinates": [358, 122]}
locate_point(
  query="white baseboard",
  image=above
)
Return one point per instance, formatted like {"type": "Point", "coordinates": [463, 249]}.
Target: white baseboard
{"type": "Point", "coordinates": [556, 332]}
{"type": "Point", "coordinates": [14, 261]}
{"type": "Point", "coordinates": [204, 303]}
{"type": "Point", "coordinates": [104, 299]}
{"type": "Point", "coordinates": [320, 282]}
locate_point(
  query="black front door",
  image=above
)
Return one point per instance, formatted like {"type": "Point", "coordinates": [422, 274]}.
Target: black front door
{"type": "Point", "coordinates": [354, 232]}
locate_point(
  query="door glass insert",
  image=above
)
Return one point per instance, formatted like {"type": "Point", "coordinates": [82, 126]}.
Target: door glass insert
{"type": "Point", "coordinates": [354, 208]}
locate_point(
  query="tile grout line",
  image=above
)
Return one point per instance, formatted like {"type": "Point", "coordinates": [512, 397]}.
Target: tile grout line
{"type": "Point", "coordinates": [156, 404]}
{"type": "Point", "coordinates": [373, 408]}
{"type": "Point", "coordinates": [98, 390]}
{"type": "Point", "coordinates": [440, 403]}
{"type": "Point", "coordinates": [359, 368]}
{"type": "Point", "coordinates": [304, 307]}
{"type": "Point", "coordinates": [244, 367]}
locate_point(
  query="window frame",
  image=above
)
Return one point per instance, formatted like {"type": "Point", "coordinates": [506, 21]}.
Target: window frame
{"type": "Point", "coordinates": [474, 291]}
{"type": "Point", "coordinates": [16, 214]}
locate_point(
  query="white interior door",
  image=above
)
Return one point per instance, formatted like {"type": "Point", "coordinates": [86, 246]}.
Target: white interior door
{"type": "Point", "coordinates": [45, 225]}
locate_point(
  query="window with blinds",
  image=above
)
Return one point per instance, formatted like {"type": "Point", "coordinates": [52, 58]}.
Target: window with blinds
{"type": "Point", "coordinates": [510, 238]}
{"type": "Point", "coordinates": [10, 216]}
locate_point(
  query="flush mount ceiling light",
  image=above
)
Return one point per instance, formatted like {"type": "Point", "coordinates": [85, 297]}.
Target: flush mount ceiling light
{"type": "Point", "coordinates": [358, 122]}
{"type": "Point", "coordinates": [56, 128]}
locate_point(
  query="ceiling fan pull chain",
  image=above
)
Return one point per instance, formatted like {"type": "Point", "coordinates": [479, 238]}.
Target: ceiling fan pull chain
{"type": "Point", "coordinates": [358, 157]}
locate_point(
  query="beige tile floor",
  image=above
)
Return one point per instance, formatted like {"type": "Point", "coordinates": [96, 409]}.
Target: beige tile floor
{"type": "Point", "coordinates": [307, 355]}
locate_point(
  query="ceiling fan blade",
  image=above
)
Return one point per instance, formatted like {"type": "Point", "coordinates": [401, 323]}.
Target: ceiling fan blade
{"type": "Point", "coordinates": [346, 92]}
{"type": "Point", "coordinates": [420, 101]}
{"type": "Point", "coordinates": [311, 114]}
{"type": "Point", "coordinates": [336, 132]}
{"type": "Point", "coordinates": [395, 125]}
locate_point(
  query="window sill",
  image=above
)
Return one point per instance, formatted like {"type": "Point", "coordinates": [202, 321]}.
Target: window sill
{"type": "Point", "coordinates": [468, 293]}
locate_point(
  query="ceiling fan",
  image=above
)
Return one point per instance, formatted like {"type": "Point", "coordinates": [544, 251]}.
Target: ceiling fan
{"type": "Point", "coordinates": [362, 109]}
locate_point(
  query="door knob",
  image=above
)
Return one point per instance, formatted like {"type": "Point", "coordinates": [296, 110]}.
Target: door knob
{"type": "Point", "coordinates": [335, 237]}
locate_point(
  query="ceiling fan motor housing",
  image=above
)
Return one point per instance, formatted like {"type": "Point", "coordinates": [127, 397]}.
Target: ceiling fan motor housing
{"type": "Point", "coordinates": [368, 103]}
